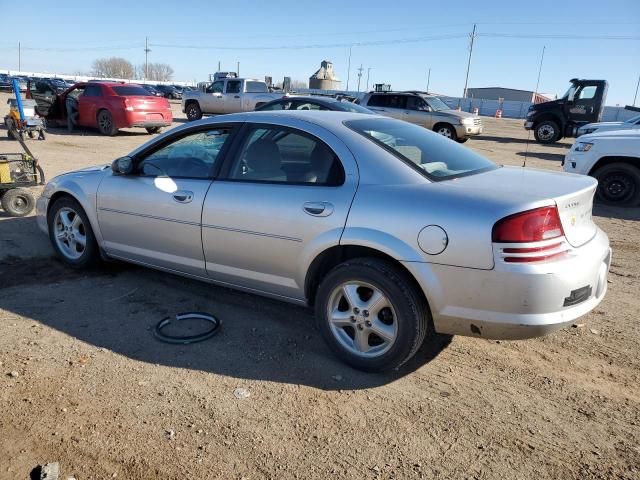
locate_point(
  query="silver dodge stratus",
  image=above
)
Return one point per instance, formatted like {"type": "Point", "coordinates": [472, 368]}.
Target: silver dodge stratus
{"type": "Point", "coordinates": [392, 232]}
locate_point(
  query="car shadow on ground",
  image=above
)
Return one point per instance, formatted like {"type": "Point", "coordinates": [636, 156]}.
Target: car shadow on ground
{"type": "Point", "coordinates": [117, 306]}
{"type": "Point", "coordinates": [608, 211]}
{"type": "Point", "coordinates": [532, 141]}
{"type": "Point", "coordinates": [555, 157]}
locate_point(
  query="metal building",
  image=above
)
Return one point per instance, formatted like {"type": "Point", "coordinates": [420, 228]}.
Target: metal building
{"type": "Point", "coordinates": [508, 94]}
{"type": "Point", "coordinates": [324, 78]}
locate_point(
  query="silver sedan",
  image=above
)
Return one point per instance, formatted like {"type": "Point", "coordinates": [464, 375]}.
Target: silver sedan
{"type": "Point", "coordinates": [391, 232]}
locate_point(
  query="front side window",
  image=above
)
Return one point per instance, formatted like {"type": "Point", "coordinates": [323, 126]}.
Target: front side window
{"type": "Point", "coordinates": [192, 156]}
{"type": "Point", "coordinates": [283, 155]}
{"type": "Point", "coordinates": [435, 156]}
{"type": "Point", "coordinates": [436, 104]}
{"type": "Point", "coordinates": [216, 87]}
{"type": "Point", "coordinates": [416, 103]}
{"type": "Point", "coordinates": [92, 91]}
{"type": "Point", "coordinates": [587, 93]}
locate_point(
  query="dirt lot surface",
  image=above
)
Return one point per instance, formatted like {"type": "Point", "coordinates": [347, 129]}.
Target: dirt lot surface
{"type": "Point", "coordinates": [84, 383]}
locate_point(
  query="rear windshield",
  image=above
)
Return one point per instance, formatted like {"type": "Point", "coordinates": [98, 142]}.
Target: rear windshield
{"type": "Point", "coordinates": [351, 107]}
{"type": "Point", "coordinates": [256, 87]}
{"type": "Point", "coordinates": [131, 91]}
{"type": "Point", "coordinates": [435, 156]}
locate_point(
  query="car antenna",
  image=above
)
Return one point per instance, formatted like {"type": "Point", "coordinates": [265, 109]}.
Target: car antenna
{"type": "Point", "coordinates": [526, 150]}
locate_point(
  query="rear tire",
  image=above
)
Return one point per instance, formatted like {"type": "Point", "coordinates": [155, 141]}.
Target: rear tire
{"type": "Point", "coordinates": [618, 184]}
{"type": "Point", "coordinates": [547, 132]}
{"type": "Point", "coordinates": [352, 332]}
{"type": "Point", "coordinates": [446, 130]}
{"type": "Point", "coordinates": [18, 202]}
{"type": "Point", "coordinates": [69, 228]}
{"type": "Point", "coordinates": [193, 111]}
{"type": "Point", "coordinates": [106, 124]}
{"type": "Point", "coordinates": [153, 130]}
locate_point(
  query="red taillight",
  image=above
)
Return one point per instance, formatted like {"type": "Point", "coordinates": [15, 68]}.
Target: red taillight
{"type": "Point", "coordinates": [530, 226]}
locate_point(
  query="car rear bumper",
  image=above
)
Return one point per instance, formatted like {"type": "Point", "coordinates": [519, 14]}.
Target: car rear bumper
{"type": "Point", "coordinates": [148, 119]}
{"type": "Point", "coordinates": [516, 301]}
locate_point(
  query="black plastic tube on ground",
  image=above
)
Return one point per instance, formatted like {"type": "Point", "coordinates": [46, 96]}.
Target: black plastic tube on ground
{"type": "Point", "coordinates": [187, 339]}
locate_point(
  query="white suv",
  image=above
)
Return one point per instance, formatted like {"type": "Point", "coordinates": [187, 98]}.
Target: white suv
{"type": "Point", "coordinates": [613, 157]}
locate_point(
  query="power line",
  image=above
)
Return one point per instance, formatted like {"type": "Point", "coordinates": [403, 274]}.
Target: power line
{"type": "Point", "coordinates": [560, 36]}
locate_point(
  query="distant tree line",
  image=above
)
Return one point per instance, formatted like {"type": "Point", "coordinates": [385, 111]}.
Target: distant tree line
{"type": "Point", "coordinates": [117, 67]}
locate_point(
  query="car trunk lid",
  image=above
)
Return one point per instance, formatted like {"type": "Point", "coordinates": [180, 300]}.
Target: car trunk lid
{"type": "Point", "coordinates": [572, 194]}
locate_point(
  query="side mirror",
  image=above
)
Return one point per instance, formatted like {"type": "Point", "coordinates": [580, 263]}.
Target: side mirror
{"type": "Point", "coordinates": [122, 166]}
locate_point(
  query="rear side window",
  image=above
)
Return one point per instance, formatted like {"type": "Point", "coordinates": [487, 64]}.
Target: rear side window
{"type": "Point", "coordinates": [285, 155]}
{"type": "Point", "coordinates": [433, 155]}
{"type": "Point", "coordinates": [280, 105]}
{"type": "Point", "coordinates": [388, 101]}
{"type": "Point", "coordinates": [131, 91]}
{"type": "Point", "coordinates": [256, 87]}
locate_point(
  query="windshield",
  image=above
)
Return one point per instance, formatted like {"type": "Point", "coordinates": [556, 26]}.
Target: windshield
{"type": "Point", "coordinates": [634, 120]}
{"type": "Point", "coordinates": [351, 107]}
{"type": "Point", "coordinates": [570, 91]}
{"type": "Point", "coordinates": [436, 104]}
{"type": "Point", "coordinates": [436, 157]}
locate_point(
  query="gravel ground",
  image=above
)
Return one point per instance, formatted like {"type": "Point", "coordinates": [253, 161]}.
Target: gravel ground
{"type": "Point", "coordinates": [84, 383]}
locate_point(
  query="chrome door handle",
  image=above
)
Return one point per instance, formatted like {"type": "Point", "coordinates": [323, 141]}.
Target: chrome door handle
{"type": "Point", "coordinates": [183, 196]}
{"type": "Point", "coordinates": [318, 209]}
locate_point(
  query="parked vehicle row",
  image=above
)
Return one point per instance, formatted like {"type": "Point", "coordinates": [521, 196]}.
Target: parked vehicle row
{"type": "Point", "coordinates": [391, 232]}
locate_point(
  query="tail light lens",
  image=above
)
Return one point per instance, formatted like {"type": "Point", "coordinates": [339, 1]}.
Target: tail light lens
{"type": "Point", "coordinates": [127, 105]}
{"type": "Point", "coordinates": [535, 228]}
{"type": "Point", "coordinates": [530, 226]}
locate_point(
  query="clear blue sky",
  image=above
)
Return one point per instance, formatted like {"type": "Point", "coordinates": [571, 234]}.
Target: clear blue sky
{"type": "Point", "coordinates": [233, 31]}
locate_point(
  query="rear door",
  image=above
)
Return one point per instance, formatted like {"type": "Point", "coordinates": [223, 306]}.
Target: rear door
{"type": "Point", "coordinates": [282, 196]}
{"type": "Point", "coordinates": [154, 215]}
{"type": "Point", "coordinates": [88, 104]}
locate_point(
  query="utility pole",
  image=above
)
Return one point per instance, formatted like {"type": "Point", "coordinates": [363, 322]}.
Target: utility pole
{"type": "Point", "coordinates": [428, 79]}
{"type": "Point", "coordinates": [349, 68]}
{"type": "Point", "coordinates": [636, 95]}
{"type": "Point", "coordinates": [368, 73]}
{"type": "Point", "coordinates": [146, 57]}
{"type": "Point", "coordinates": [466, 80]}
{"type": "Point", "coordinates": [359, 76]}
{"type": "Point", "coordinates": [20, 60]}
{"type": "Point", "coordinates": [238, 69]}
{"type": "Point", "coordinates": [219, 66]}
{"type": "Point", "coordinates": [535, 92]}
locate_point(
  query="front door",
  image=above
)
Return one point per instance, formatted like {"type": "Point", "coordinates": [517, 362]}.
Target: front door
{"type": "Point", "coordinates": [213, 100]}
{"type": "Point", "coordinates": [585, 107]}
{"type": "Point", "coordinates": [417, 112]}
{"type": "Point", "coordinates": [232, 97]}
{"type": "Point", "coordinates": [154, 215]}
{"type": "Point", "coordinates": [285, 194]}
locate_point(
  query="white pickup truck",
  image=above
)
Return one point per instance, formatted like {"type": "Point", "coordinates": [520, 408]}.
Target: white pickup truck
{"type": "Point", "coordinates": [613, 157]}
{"type": "Point", "coordinates": [228, 95]}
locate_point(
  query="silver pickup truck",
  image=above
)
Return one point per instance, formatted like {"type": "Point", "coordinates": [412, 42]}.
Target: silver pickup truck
{"type": "Point", "coordinates": [228, 95]}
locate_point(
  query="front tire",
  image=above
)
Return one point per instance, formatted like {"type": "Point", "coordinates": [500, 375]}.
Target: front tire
{"type": "Point", "coordinates": [193, 111]}
{"type": "Point", "coordinates": [18, 202]}
{"type": "Point", "coordinates": [71, 234]}
{"type": "Point", "coordinates": [446, 130]}
{"type": "Point", "coordinates": [618, 184]}
{"type": "Point", "coordinates": [106, 124]}
{"type": "Point", "coordinates": [371, 314]}
{"type": "Point", "coordinates": [547, 132]}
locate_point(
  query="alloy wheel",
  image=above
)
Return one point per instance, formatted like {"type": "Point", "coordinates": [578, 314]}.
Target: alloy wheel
{"type": "Point", "coordinates": [70, 233]}
{"type": "Point", "coordinates": [362, 319]}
